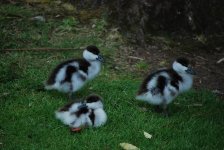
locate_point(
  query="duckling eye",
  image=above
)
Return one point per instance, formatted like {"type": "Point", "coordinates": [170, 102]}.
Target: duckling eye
{"type": "Point", "coordinates": [100, 58]}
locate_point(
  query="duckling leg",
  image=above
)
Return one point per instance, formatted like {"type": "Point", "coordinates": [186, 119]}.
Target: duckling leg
{"type": "Point", "coordinates": [165, 108]}
{"type": "Point", "coordinates": [70, 94]}
{"type": "Point", "coordinates": [158, 108]}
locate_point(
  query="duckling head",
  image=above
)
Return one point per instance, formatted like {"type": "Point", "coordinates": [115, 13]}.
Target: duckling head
{"type": "Point", "coordinates": [94, 102]}
{"type": "Point", "coordinates": [92, 53]}
{"type": "Point", "coordinates": [181, 65]}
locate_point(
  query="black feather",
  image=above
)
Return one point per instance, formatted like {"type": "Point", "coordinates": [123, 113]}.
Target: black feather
{"type": "Point", "coordinates": [51, 79]}
{"type": "Point", "coordinates": [81, 111]}
{"type": "Point", "coordinates": [83, 65]}
{"type": "Point", "coordinates": [68, 74]}
{"type": "Point", "coordinates": [161, 83]}
{"type": "Point", "coordinates": [92, 116]}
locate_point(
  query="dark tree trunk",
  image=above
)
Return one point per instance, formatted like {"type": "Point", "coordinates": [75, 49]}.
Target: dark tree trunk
{"type": "Point", "coordinates": [138, 18]}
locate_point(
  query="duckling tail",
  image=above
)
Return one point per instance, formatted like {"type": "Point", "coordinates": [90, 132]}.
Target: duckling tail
{"type": "Point", "coordinates": [40, 88]}
{"type": "Point", "coordinates": [139, 97]}
{"type": "Point", "coordinates": [48, 86]}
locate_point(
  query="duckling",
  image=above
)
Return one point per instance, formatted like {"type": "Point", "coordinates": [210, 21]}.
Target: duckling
{"type": "Point", "coordinates": [88, 113]}
{"type": "Point", "coordinates": [163, 86]}
{"type": "Point", "coordinates": [71, 75]}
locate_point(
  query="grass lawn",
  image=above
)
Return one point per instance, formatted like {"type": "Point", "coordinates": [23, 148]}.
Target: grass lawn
{"type": "Point", "coordinates": [27, 115]}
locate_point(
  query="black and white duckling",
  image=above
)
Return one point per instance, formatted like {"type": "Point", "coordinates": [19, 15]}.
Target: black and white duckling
{"type": "Point", "coordinates": [161, 87]}
{"type": "Point", "coordinates": [89, 113]}
{"type": "Point", "coordinates": [71, 75]}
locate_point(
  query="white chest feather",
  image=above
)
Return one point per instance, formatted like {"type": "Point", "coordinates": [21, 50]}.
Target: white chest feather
{"type": "Point", "coordinates": [186, 84]}
{"type": "Point", "coordinates": [93, 69]}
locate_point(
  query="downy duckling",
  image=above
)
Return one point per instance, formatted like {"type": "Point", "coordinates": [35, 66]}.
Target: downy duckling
{"type": "Point", "coordinates": [71, 75]}
{"type": "Point", "coordinates": [89, 113]}
{"type": "Point", "coordinates": [163, 86]}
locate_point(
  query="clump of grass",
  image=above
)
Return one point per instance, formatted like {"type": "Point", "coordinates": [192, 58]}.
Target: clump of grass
{"type": "Point", "coordinates": [142, 65]}
{"type": "Point", "coordinates": [68, 24]}
{"type": "Point", "coordinates": [8, 11]}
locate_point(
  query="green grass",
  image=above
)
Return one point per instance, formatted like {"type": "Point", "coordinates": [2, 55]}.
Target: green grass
{"type": "Point", "coordinates": [27, 115]}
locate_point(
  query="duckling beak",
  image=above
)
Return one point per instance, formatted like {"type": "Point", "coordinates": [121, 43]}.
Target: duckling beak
{"type": "Point", "coordinates": [100, 58]}
{"type": "Point", "coordinates": [82, 106]}
{"type": "Point", "coordinates": [190, 71]}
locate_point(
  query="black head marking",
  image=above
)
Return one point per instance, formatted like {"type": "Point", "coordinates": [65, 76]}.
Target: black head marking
{"type": "Point", "coordinates": [93, 98]}
{"type": "Point", "coordinates": [93, 49]}
{"type": "Point", "coordinates": [183, 61]}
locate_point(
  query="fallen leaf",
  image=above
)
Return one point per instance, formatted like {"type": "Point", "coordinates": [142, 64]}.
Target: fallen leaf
{"type": "Point", "coordinates": [201, 38]}
{"type": "Point", "coordinates": [147, 135]}
{"type": "Point", "coordinates": [68, 7]}
{"type": "Point", "coordinates": [39, 18]}
{"type": "Point", "coordinates": [220, 60]}
{"type": "Point", "coordinates": [162, 63]}
{"type": "Point", "coordinates": [93, 26]}
{"type": "Point", "coordinates": [127, 146]}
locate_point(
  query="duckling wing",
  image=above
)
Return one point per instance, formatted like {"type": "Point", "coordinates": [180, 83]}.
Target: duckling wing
{"type": "Point", "coordinates": [151, 82]}
{"type": "Point", "coordinates": [68, 73]}
{"type": "Point", "coordinates": [161, 83]}
{"type": "Point", "coordinates": [79, 66]}
{"type": "Point", "coordinates": [52, 78]}
{"type": "Point", "coordinates": [155, 91]}
{"type": "Point", "coordinates": [83, 65]}
{"type": "Point", "coordinates": [175, 79]}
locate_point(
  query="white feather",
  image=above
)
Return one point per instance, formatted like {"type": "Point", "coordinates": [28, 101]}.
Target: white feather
{"type": "Point", "coordinates": [65, 117]}
{"type": "Point", "coordinates": [94, 69]}
{"type": "Point", "coordinates": [95, 105]}
{"type": "Point", "coordinates": [100, 117]}
{"type": "Point", "coordinates": [89, 56]}
{"type": "Point", "coordinates": [187, 82]}
{"type": "Point", "coordinates": [82, 120]}
{"type": "Point", "coordinates": [179, 68]}
{"type": "Point", "coordinates": [150, 98]}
